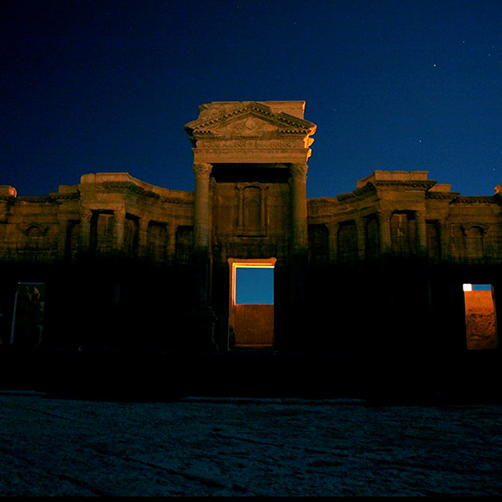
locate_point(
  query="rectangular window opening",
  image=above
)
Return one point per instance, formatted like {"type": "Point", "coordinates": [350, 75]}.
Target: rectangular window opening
{"type": "Point", "coordinates": [480, 316]}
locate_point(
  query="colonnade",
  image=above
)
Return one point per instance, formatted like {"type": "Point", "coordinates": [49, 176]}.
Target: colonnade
{"type": "Point", "coordinates": [119, 221]}
{"type": "Point", "coordinates": [384, 234]}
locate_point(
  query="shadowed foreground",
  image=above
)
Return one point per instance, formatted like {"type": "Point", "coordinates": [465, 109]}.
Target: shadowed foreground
{"type": "Point", "coordinates": [246, 446]}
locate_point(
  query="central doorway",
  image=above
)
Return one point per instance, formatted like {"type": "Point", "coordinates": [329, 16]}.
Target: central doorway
{"type": "Point", "coordinates": [251, 323]}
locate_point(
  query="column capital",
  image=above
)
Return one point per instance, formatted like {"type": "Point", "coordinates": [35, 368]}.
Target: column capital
{"type": "Point", "coordinates": [384, 213]}
{"type": "Point", "coordinates": [86, 213]}
{"type": "Point", "coordinates": [202, 168]}
{"type": "Point", "coordinates": [299, 171]}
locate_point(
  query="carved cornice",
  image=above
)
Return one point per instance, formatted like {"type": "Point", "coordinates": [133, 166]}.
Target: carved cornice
{"type": "Point", "coordinates": [127, 186]}
{"type": "Point", "coordinates": [33, 199]}
{"type": "Point", "coordinates": [475, 199]}
{"type": "Point", "coordinates": [322, 200]}
{"type": "Point", "coordinates": [357, 194]}
{"type": "Point", "coordinates": [442, 195]}
{"type": "Point", "coordinates": [66, 196]}
{"type": "Point", "coordinates": [423, 184]}
{"type": "Point", "coordinates": [171, 200]}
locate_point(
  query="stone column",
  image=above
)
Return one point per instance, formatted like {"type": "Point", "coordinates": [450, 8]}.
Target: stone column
{"type": "Point", "coordinates": [201, 230]}
{"type": "Point", "coordinates": [297, 323]}
{"type": "Point", "coordinates": [299, 208]}
{"type": "Point", "coordinates": [119, 228]}
{"type": "Point", "coordinates": [384, 227]}
{"type": "Point", "coordinates": [202, 316]}
{"type": "Point", "coordinates": [421, 228]}
{"type": "Point", "coordinates": [361, 237]}
{"type": "Point", "coordinates": [201, 210]}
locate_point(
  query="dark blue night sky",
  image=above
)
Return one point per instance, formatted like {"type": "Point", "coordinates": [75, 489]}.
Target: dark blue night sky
{"type": "Point", "coordinates": [93, 86]}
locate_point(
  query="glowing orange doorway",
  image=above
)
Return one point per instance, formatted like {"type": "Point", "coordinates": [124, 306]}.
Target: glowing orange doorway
{"type": "Point", "coordinates": [251, 325]}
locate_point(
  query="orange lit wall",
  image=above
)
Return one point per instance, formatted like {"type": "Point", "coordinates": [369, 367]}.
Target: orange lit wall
{"type": "Point", "coordinates": [480, 319]}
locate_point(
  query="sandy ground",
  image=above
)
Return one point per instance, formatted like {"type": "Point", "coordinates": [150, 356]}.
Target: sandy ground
{"type": "Point", "coordinates": [232, 447]}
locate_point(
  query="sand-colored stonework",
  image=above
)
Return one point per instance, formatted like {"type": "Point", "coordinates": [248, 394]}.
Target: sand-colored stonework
{"type": "Point", "coordinates": [398, 247]}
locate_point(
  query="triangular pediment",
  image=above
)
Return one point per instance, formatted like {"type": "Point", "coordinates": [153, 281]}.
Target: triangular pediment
{"type": "Point", "coordinates": [244, 132]}
{"type": "Point", "coordinates": [246, 120]}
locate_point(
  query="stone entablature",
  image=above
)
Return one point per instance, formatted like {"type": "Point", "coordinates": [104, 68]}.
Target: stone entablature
{"type": "Point", "coordinates": [251, 132]}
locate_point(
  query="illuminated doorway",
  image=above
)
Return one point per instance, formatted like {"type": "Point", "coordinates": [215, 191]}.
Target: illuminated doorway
{"type": "Point", "coordinates": [480, 317]}
{"type": "Point", "coordinates": [251, 323]}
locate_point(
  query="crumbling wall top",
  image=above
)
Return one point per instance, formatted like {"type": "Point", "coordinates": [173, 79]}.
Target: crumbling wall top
{"type": "Point", "coordinates": [403, 176]}
{"type": "Point", "coordinates": [7, 191]}
{"type": "Point", "coordinates": [98, 178]}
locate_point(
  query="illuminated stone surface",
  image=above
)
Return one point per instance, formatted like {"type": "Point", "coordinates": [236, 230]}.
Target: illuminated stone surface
{"type": "Point", "coordinates": [127, 263]}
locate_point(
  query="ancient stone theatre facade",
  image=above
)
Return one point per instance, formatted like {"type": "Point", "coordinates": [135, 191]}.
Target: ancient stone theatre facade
{"type": "Point", "coordinates": [402, 263]}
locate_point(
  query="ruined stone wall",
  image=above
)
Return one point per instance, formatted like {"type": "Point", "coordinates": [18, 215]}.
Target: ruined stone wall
{"type": "Point", "coordinates": [405, 214]}
{"type": "Point", "coordinates": [106, 214]}
{"type": "Point", "coordinates": [400, 215]}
